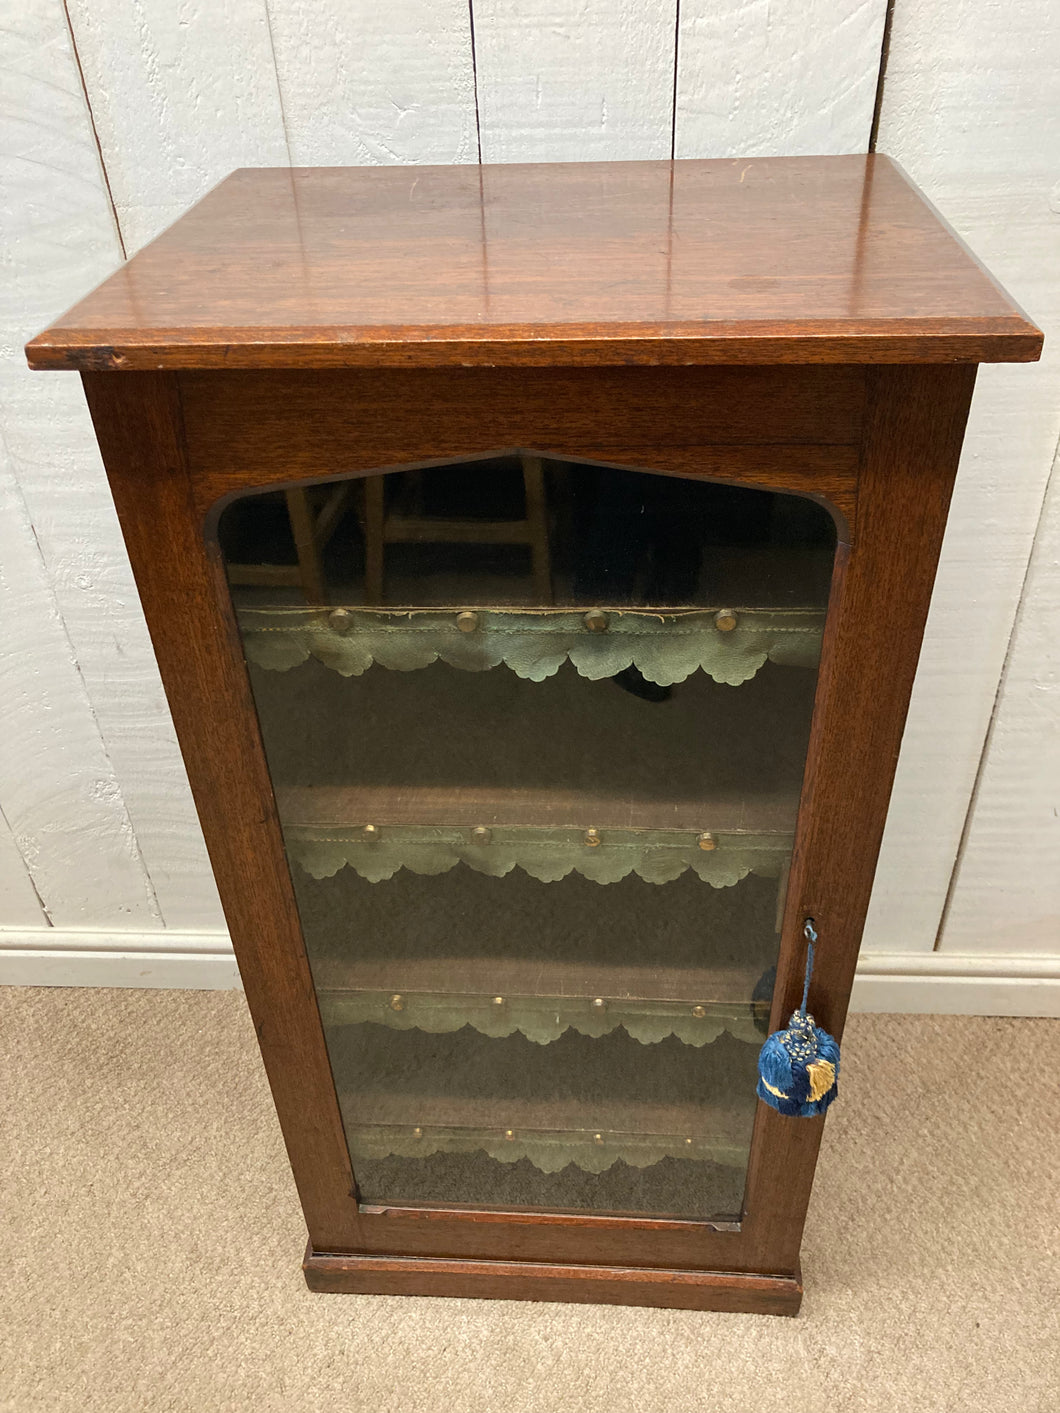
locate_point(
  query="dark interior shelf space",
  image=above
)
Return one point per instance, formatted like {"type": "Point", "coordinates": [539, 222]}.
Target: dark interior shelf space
{"type": "Point", "coordinates": [443, 746]}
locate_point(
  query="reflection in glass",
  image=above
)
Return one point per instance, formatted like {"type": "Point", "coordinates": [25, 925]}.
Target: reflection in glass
{"type": "Point", "coordinates": [537, 732]}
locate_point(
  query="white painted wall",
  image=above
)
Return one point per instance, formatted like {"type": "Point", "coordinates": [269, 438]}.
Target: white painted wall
{"type": "Point", "coordinates": [118, 114]}
{"type": "Point", "coordinates": [972, 110]}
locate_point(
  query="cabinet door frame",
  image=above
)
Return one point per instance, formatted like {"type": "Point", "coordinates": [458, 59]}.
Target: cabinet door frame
{"type": "Point", "coordinates": [878, 445]}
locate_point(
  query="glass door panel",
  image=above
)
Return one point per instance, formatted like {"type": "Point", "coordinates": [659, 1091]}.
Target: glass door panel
{"type": "Point", "coordinates": [537, 732]}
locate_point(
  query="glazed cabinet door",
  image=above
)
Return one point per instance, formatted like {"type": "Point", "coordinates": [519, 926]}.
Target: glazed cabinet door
{"type": "Point", "coordinates": [537, 730]}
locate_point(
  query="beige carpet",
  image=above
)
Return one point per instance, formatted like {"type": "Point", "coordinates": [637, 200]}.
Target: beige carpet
{"type": "Point", "coordinates": [152, 1240]}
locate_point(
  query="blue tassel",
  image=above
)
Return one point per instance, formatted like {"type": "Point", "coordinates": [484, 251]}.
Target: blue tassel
{"type": "Point", "coordinates": [798, 1068]}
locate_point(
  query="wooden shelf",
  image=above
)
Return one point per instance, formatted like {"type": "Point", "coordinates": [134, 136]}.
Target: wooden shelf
{"type": "Point", "coordinates": [551, 1133]}
{"type": "Point", "coordinates": [542, 1000]}
{"type": "Point", "coordinates": [352, 806]}
{"type": "Point", "coordinates": [533, 979]}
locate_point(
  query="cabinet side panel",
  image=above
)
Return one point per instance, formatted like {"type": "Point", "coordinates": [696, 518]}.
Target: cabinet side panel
{"type": "Point", "coordinates": [137, 421]}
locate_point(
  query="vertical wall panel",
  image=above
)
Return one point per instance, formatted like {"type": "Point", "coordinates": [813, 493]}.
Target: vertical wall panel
{"type": "Point", "coordinates": [370, 84]}
{"type": "Point", "coordinates": [1006, 896]}
{"type": "Point", "coordinates": [182, 92]}
{"type": "Point", "coordinates": [58, 790]}
{"type": "Point", "coordinates": [60, 238]}
{"type": "Point", "coordinates": [19, 904]}
{"type": "Point", "coordinates": [971, 107]}
{"type": "Point", "coordinates": [756, 78]}
{"type": "Point", "coordinates": [574, 80]}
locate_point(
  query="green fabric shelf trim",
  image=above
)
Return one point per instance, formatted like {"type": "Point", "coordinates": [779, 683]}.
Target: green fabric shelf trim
{"type": "Point", "coordinates": [543, 1019]}
{"type": "Point", "coordinates": [548, 1149]}
{"type": "Point", "coordinates": [665, 647]}
{"type": "Point", "coordinates": [656, 855]}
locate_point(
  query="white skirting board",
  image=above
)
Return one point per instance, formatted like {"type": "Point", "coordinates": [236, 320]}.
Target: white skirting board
{"type": "Point", "coordinates": [916, 983]}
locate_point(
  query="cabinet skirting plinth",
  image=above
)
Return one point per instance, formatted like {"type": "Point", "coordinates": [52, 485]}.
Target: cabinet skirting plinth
{"type": "Point", "coordinates": [735, 1292]}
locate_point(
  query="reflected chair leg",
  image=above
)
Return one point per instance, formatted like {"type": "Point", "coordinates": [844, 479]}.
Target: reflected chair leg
{"type": "Point", "coordinates": [537, 527]}
{"type": "Point", "coordinates": [374, 514]}
{"type": "Point", "coordinates": [310, 569]}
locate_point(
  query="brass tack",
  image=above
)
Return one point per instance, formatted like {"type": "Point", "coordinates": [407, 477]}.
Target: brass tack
{"type": "Point", "coordinates": [596, 621]}
{"type": "Point", "coordinates": [417, 1133]}
{"type": "Point", "coordinates": [598, 1138]}
{"type": "Point", "coordinates": [599, 1004]}
{"type": "Point", "coordinates": [397, 1003]}
{"type": "Point", "coordinates": [371, 831]}
{"type": "Point", "coordinates": [467, 622]}
{"type": "Point", "coordinates": [689, 1142]}
{"type": "Point", "coordinates": [481, 835]}
{"type": "Point", "coordinates": [592, 837]}
{"type": "Point", "coordinates": [340, 620]}
{"type": "Point", "coordinates": [509, 1134]}
{"type": "Point", "coordinates": [498, 1000]}
{"type": "Point", "coordinates": [706, 841]}
{"type": "Point", "coordinates": [699, 1012]}
{"type": "Point", "coordinates": [725, 620]}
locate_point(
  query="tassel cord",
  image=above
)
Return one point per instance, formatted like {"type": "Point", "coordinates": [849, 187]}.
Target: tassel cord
{"type": "Point", "coordinates": [810, 933]}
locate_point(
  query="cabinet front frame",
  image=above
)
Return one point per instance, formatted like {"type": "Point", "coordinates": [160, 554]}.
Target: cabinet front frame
{"type": "Point", "coordinates": [879, 445]}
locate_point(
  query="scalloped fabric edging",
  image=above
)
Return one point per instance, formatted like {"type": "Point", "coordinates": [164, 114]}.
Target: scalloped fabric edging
{"type": "Point", "coordinates": [665, 647]}
{"type": "Point", "coordinates": [657, 856]}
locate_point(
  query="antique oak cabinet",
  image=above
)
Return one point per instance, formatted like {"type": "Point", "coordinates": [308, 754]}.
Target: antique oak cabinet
{"type": "Point", "coordinates": [537, 558]}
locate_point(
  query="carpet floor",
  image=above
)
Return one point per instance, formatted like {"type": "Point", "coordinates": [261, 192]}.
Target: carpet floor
{"type": "Point", "coordinates": [152, 1237]}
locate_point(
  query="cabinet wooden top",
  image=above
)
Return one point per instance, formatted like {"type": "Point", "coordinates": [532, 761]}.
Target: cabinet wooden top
{"type": "Point", "coordinates": [778, 260]}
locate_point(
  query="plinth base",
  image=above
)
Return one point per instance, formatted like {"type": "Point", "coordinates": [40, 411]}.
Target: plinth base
{"type": "Point", "coordinates": [525, 1280]}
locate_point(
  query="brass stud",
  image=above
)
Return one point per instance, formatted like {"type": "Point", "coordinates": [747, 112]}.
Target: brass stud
{"type": "Point", "coordinates": [699, 1012]}
{"type": "Point", "coordinates": [340, 620]}
{"type": "Point", "coordinates": [688, 1141]}
{"type": "Point", "coordinates": [498, 1000]}
{"type": "Point", "coordinates": [467, 621]}
{"type": "Point", "coordinates": [725, 620]}
{"type": "Point", "coordinates": [596, 620]}
{"type": "Point", "coordinates": [417, 1133]}
{"type": "Point", "coordinates": [592, 838]}
{"type": "Point", "coordinates": [509, 1134]}
{"type": "Point", "coordinates": [706, 841]}
{"type": "Point", "coordinates": [598, 1138]}
{"type": "Point", "coordinates": [397, 1003]}
{"type": "Point", "coordinates": [370, 831]}
{"type": "Point", "coordinates": [599, 1004]}
{"type": "Point", "coordinates": [481, 835]}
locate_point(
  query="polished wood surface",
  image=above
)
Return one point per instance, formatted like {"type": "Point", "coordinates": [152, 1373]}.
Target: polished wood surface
{"type": "Point", "coordinates": [770, 260]}
{"type": "Point", "coordinates": [794, 429]}
{"type": "Point", "coordinates": [606, 1285]}
{"type": "Point", "coordinates": [791, 261]}
{"type": "Point", "coordinates": [908, 449]}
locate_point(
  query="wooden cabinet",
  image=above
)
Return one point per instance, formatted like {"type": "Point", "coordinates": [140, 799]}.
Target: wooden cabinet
{"type": "Point", "coordinates": [537, 560]}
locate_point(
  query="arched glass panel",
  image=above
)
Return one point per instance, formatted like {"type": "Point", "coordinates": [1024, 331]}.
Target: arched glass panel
{"type": "Point", "coordinates": [537, 731]}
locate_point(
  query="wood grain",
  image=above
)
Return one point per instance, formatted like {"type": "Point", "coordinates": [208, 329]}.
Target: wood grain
{"type": "Point", "coordinates": [182, 589]}
{"type": "Point", "coordinates": [912, 444]}
{"type": "Point", "coordinates": [604, 263]}
{"type": "Point", "coordinates": [608, 1285]}
{"type": "Point", "coordinates": [904, 424]}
